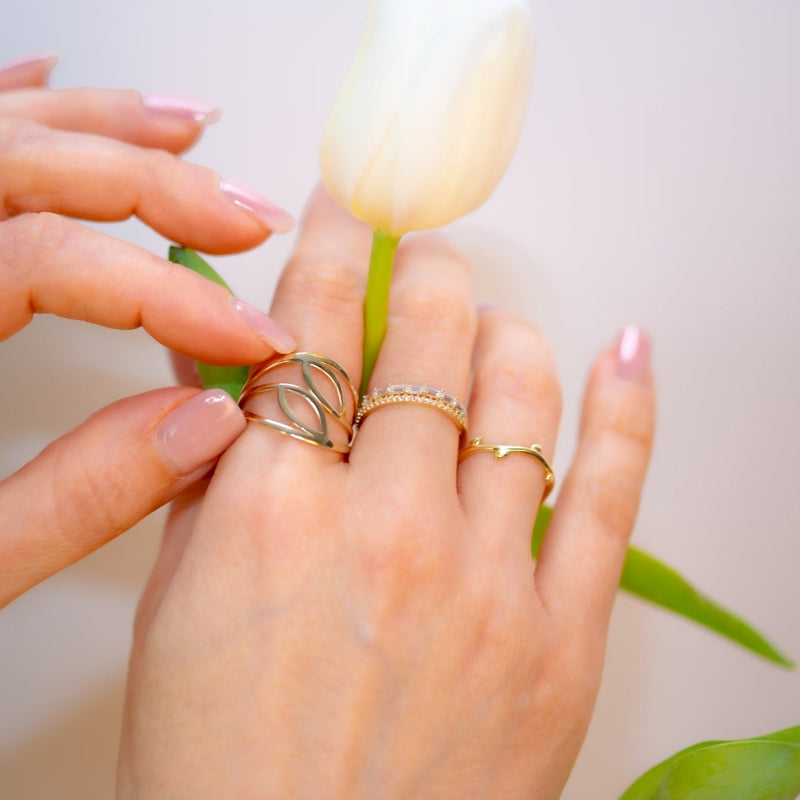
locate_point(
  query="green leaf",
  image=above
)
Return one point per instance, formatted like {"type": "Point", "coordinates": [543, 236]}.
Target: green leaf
{"type": "Point", "coordinates": [231, 379]}
{"type": "Point", "coordinates": [646, 577]}
{"type": "Point", "coordinates": [763, 768]}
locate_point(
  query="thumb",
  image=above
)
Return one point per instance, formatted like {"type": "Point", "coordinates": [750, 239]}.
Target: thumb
{"type": "Point", "coordinates": [104, 476]}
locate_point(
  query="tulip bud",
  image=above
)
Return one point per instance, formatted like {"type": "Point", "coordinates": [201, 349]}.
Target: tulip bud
{"type": "Point", "coordinates": [431, 111]}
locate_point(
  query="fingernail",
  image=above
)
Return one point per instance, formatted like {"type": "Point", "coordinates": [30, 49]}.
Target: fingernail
{"type": "Point", "coordinates": [633, 354]}
{"type": "Point", "coordinates": [34, 60]}
{"type": "Point", "coordinates": [266, 327]}
{"type": "Point", "coordinates": [198, 431]}
{"type": "Point", "coordinates": [271, 214]}
{"type": "Point", "coordinates": [181, 108]}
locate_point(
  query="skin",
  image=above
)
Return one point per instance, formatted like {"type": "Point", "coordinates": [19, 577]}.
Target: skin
{"type": "Point", "coordinates": [325, 628]}
{"type": "Point", "coordinates": [92, 154]}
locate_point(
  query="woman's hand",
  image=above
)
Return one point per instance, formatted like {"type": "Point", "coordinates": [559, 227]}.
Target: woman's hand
{"type": "Point", "coordinates": [376, 628]}
{"type": "Point", "coordinates": [105, 155]}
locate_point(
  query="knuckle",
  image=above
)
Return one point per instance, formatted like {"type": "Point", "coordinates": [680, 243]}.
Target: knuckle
{"type": "Point", "coordinates": [98, 508]}
{"type": "Point", "coordinates": [524, 383]}
{"type": "Point", "coordinates": [633, 425]}
{"type": "Point", "coordinates": [16, 133]}
{"type": "Point", "coordinates": [33, 239]}
{"type": "Point", "coordinates": [16, 137]}
{"type": "Point", "coordinates": [498, 621]}
{"type": "Point", "coordinates": [407, 553]}
{"type": "Point", "coordinates": [151, 171]}
{"type": "Point", "coordinates": [612, 500]}
{"type": "Point", "coordinates": [329, 284]}
{"type": "Point", "coordinates": [505, 636]}
{"type": "Point", "coordinates": [434, 309]}
{"type": "Point", "coordinates": [154, 162]}
{"type": "Point", "coordinates": [47, 229]}
{"type": "Point", "coordinates": [401, 558]}
{"type": "Point", "coordinates": [10, 129]}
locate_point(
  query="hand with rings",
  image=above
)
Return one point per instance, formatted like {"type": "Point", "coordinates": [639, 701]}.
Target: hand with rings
{"type": "Point", "coordinates": [366, 621]}
{"type": "Point", "coordinates": [105, 155]}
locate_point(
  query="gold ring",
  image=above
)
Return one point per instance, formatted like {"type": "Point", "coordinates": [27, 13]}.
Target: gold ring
{"type": "Point", "coordinates": [336, 401]}
{"type": "Point", "coordinates": [420, 395]}
{"type": "Point", "coordinates": [502, 450]}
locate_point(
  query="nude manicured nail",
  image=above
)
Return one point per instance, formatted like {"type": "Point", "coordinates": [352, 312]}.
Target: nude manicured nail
{"type": "Point", "coordinates": [633, 354]}
{"type": "Point", "coordinates": [198, 431]}
{"type": "Point", "coordinates": [266, 327]}
{"type": "Point", "coordinates": [40, 60]}
{"type": "Point", "coordinates": [272, 215]}
{"type": "Point", "coordinates": [181, 108]}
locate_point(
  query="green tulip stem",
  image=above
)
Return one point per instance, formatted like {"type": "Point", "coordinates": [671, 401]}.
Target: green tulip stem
{"type": "Point", "coordinates": [376, 305]}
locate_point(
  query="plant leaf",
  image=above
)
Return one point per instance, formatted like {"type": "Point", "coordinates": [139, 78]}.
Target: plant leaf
{"type": "Point", "coordinates": [231, 379]}
{"type": "Point", "coordinates": [763, 768]}
{"type": "Point", "coordinates": [648, 578]}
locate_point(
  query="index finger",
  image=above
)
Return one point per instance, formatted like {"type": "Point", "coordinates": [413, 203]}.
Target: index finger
{"type": "Point", "coordinates": [53, 265]}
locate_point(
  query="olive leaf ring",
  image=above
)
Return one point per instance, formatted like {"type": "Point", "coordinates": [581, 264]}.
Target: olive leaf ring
{"type": "Point", "coordinates": [323, 392]}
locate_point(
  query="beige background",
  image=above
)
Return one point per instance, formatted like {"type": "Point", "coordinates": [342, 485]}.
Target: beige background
{"type": "Point", "coordinates": [657, 181]}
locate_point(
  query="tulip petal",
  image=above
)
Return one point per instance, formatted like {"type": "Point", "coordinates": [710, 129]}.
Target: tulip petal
{"type": "Point", "coordinates": [431, 110]}
{"type": "Point", "coordinates": [478, 80]}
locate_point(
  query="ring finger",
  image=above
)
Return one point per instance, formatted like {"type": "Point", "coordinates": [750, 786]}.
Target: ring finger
{"type": "Point", "coordinates": [319, 299]}
{"type": "Point", "coordinates": [516, 400]}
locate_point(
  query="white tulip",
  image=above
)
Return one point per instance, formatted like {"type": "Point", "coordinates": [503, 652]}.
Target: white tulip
{"type": "Point", "coordinates": [431, 111]}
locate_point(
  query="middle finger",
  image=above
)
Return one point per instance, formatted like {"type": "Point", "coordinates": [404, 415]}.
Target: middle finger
{"type": "Point", "coordinates": [92, 177]}
{"type": "Point", "coordinates": [428, 347]}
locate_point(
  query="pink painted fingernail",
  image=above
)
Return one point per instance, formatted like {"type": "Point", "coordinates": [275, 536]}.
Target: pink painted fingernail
{"type": "Point", "coordinates": [181, 108]}
{"type": "Point", "coordinates": [40, 60]}
{"type": "Point", "coordinates": [633, 354]}
{"type": "Point", "coordinates": [272, 215]}
{"type": "Point", "coordinates": [266, 327]}
{"type": "Point", "coordinates": [198, 431]}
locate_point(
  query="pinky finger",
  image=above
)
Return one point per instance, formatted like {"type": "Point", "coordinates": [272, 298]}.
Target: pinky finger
{"type": "Point", "coordinates": [27, 72]}
{"type": "Point", "coordinates": [583, 553]}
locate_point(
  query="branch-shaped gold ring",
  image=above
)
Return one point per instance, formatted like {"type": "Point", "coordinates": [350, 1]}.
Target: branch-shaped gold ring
{"type": "Point", "coordinates": [503, 450]}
